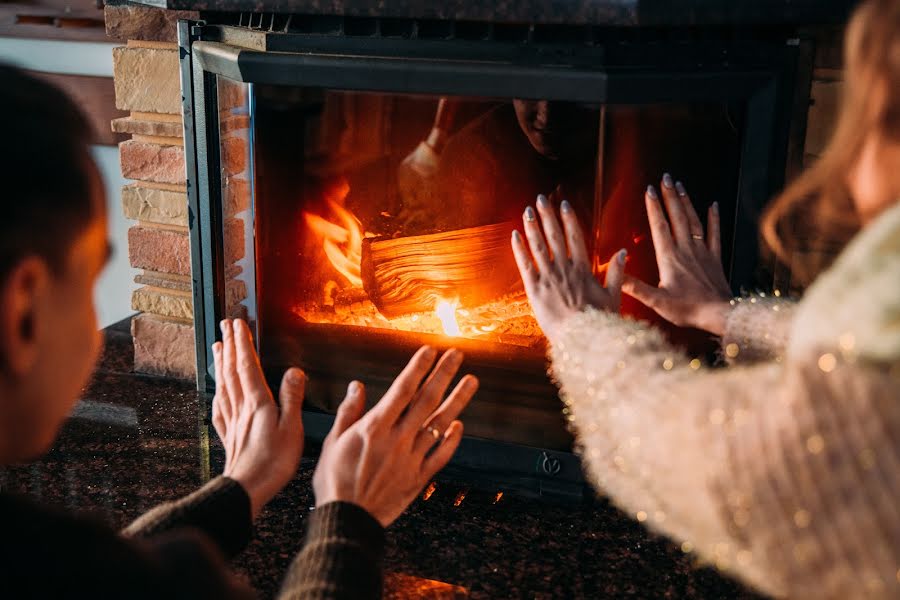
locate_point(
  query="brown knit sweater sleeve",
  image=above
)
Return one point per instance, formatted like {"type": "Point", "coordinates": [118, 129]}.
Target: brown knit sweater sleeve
{"type": "Point", "coordinates": [341, 556]}
{"type": "Point", "coordinates": [731, 465]}
{"type": "Point", "coordinates": [220, 509]}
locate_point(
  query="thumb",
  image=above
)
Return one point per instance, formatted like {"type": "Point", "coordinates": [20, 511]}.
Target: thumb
{"type": "Point", "coordinates": [350, 410]}
{"type": "Point", "coordinates": [644, 293]}
{"type": "Point", "coordinates": [614, 275]}
{"type": "Point", "coordinates": [290, 396]}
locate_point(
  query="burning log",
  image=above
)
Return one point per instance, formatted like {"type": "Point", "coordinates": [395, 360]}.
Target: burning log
{"type": "Point", "coordinates": [412, 274]}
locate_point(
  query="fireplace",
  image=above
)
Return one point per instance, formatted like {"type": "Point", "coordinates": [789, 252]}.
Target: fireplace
{"type": "Point", "coordinates": [353, 183]}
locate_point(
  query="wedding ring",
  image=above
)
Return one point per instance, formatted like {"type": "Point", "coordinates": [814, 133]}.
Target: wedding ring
{"type": "Point", "coordinates": [433, 431]}
{"type": "Point", "coordinates": [697, 237]}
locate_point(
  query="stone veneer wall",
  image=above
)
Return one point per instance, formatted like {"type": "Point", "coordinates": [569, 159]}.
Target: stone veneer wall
{"type": "Point", "coordinates": [146, 74]}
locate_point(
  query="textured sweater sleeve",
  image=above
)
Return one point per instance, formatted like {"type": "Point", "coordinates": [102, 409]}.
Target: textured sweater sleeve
{"type": "Point", "coordinates": [720, 459]}
{"type": "Point", "coordinates": [757, 329]}
{"type": "Point", "coordinates": [220, 509]}
{"type": "Point", "coordinates": [341, 556]}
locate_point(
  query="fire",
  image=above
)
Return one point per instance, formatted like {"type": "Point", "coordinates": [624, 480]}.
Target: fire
{"type": "Point", "coordinates": [446, 312]}
{"type": "Point", "coordinates": [342, 244]}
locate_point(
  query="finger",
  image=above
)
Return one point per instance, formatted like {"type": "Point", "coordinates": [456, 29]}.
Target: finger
{"type": "Point", "coordinates": [574, 235]}
{"type": "Point", "coordinates": [681, 230]}
{"type": "Point", "coordinates": [644, 293]}
{"type": "Point", "coordinates": [438, 459]}
{"type": "Point", "coordinates": [614, 276]}
{"type": "Point", "coordinates": [714, 231]}
{"type": "Point", "coordinates": [248, 367]}
{"type": "Point", "coordinates": [349, 412]}
{"type": "Point", "coordinates": [659, 226]}
{"type": "Point", "coordinates": [536, 242]}
{"type": "Point", "coordinates": [694, 225]}
{"type": "Point", "coordinates": [523, 260]}
{"type": "Point", "coordinates": [432, 392]}
{"type": "Point", "coordinates": [552, 230]}
{"type": "Point", "coordinates": [449, 410]}
{"type": "Point", "coordinates": [290, 398]}
{"type": "Point", "coordinates": [218, 420]}
{"type": "Point", "coordinates": [229, 368]}
{"type": "Point", "coordinates": [405, 386]}
{"type": "Point", "coordinates": [221, 398]}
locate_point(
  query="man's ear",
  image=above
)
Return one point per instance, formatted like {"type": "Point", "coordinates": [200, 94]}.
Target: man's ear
{"type": "Point", "coordinates": [23, 303]}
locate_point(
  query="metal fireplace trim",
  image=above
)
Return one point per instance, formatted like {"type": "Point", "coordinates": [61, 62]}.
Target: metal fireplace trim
{"type": "Point", "coordinates": [764, 77]}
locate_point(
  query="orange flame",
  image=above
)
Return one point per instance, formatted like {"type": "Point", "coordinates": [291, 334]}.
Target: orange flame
{"type": "Point", "coordinates": [446, 312]}
{"type": "Point", "coordinates": [342, 245]}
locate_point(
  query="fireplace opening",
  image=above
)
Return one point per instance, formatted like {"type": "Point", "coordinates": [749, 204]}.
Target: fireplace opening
{"type": "Point", "coordinates": [381, 222]}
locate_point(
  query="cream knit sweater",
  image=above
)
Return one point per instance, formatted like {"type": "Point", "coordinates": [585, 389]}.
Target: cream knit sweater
{"type": "Point", "coordinates": [782, 469]}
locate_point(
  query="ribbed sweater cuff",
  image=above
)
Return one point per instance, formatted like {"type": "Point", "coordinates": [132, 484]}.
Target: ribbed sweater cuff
{"type": "Point", "coordinates": [220, 509]}
{"type": "Point", "coordinates": [341, 557]}
{"type": "Point", "coordinates": [347, 521]}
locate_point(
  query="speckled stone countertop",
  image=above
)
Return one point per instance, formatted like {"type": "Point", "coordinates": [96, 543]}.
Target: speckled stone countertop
{"type": "Point", "coordinates": [136, 441]}
{"type": "Point", "coordinates": [651, 13]}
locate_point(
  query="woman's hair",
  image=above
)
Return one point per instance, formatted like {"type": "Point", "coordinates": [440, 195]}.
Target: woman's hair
{"type": "Point", "coordinates": [814, 217]}
{"type": "Point", "coordinates": [45, 169]}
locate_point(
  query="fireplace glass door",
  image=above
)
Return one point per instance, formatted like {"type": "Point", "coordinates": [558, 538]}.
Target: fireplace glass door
{"type": "Point", "coordinates": [354, 209]}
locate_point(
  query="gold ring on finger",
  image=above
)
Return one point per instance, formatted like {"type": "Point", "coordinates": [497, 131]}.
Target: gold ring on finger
{"type": "Point", "coordinates": [434, 431]}
{"type": "Point", "coordinates": [697, 237]}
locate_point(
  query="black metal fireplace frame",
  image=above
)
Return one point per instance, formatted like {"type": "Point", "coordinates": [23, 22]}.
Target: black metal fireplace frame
{"type": "Point", "coordinates": [762, 71]}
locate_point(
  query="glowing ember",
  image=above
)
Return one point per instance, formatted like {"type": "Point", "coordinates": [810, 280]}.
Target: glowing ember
{"type": "Point", "coordinates": [342, 245]}
{"type": "Point", "coordinates": [497, 497]}
{"type": "Point", "coordinates": [460, 497]}
{"type": "Point", "coordinates": [429, 491]}
{"type": "Point", "coordinates": [446, 312]}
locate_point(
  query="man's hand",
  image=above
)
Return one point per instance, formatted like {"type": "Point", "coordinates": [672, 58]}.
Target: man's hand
{"type": "Point", "coordinates": [263, 444]}
{"type": "Point", "coordinates": [382, 460]}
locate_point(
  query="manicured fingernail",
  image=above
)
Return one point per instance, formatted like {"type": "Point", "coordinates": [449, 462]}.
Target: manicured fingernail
{"type": "Point", "coordinates": [651, 192]}
{"type": "Point", "coordinates": [354, 389]}
{"type": "Point", "coordinates": [565, 207]}
{"type": "Point", "coordinates": [542, 201]}
{"type": "Point", "coordinates": [715, 207]}
{"type": "Point", "coordinates": [516, 235]}
{"type": "Point", "coordinates": [621, 256]}
{"type": "Point", "coordinates": [679, 187]}
{"type": "Point", "coordinates": [529, 214]}
{"type": "Point", "coordinates": [667, 181]}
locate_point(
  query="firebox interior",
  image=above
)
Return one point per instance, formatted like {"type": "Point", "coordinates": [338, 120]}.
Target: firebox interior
{"type": "Point", "coordinates": [377, 222]}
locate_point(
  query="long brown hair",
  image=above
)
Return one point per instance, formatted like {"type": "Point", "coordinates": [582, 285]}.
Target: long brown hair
{"type": "Point", "coordinates": [814, 217]}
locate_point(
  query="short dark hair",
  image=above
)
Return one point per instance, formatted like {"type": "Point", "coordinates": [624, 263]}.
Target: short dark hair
{"type": "Point", "coordinates": [45, 171]}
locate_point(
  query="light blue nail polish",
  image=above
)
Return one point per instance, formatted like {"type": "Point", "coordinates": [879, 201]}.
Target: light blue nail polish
{"type": "Point", "coordinates": [715, 207]}
{"type": "Point", "coordinates": [565, 207]}
{"type": "Point", "coordinates": [621, 256]}
{"type": "Point", "coordinates": [542, 201]}
{"type": "Point", "coordinates": [516, 235]}
{"type": "Point", "coordinates": [667, 181]}
{"type": "Point", "coordinates": [651, 191]}
{"type": "Point", "coordinates": [529, 214]}
{"type": "Point", "coordinates": [679, 187]}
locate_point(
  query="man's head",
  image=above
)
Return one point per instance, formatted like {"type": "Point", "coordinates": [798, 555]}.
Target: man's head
{"type": "Point", "coordinates": [53, 246]}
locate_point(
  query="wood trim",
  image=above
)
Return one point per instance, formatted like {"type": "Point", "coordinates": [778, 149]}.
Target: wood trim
{"type": "Point", "coordinates": [73, 20]}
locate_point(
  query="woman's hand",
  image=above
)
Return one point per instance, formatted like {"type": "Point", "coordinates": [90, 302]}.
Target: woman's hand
{"type": "Point", "coordinates": [381, 461]}
{"type": "Point", "coordinates": [263, 444]}
{"type": "Point", "coordinates": [557, 270]}
{"type": "Point", "coordinates": [693, 290]}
